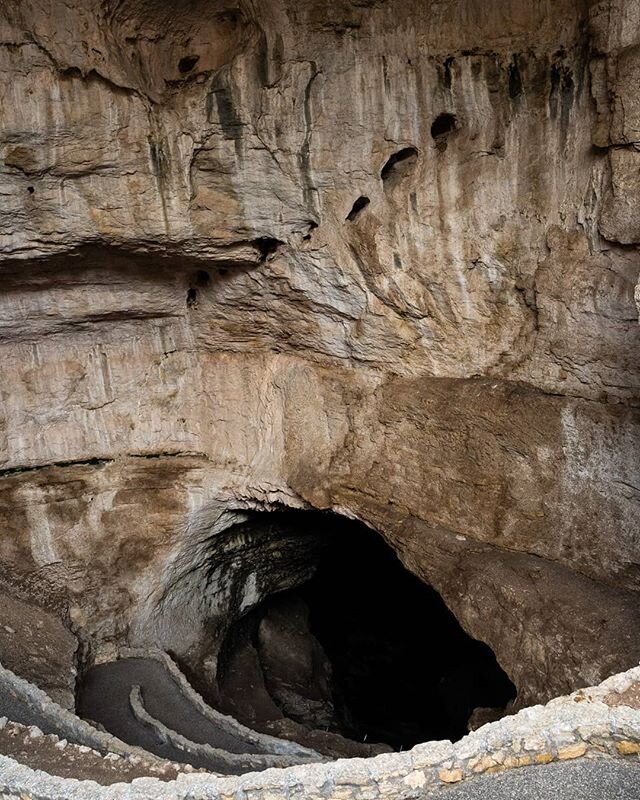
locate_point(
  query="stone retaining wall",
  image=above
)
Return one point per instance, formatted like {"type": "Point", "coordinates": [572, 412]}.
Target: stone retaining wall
{"type": "Point", "coordinates": [204, 753]}
{"type": "Point", "coordinates": [588, 723]}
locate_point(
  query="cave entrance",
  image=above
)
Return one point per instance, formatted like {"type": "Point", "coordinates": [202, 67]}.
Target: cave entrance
{"type": "Point", "coordinates": [363, 649]}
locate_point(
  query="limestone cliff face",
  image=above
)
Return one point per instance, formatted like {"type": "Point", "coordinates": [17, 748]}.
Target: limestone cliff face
{"type": "Point", "coordinates": [375, 256]}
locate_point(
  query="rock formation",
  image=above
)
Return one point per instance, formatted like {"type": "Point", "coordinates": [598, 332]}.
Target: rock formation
{"type": "Point", "coordinates": [368, 257]}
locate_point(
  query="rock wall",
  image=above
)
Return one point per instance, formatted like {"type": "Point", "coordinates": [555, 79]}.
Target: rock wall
{"type": "Point", "coordinates": [371, 257]}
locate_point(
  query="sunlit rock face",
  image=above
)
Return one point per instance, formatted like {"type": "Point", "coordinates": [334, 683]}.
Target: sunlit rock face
{"type": "Point", "coordinates": [374, 257]}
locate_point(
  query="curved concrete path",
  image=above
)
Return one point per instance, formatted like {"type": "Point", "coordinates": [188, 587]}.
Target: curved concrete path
{"type": "Point", "coordinates": [104, 698]}
{"type": "Point", "coordinates": [139, 701]}
{"type": "Point", "coordinates": [585, 779]}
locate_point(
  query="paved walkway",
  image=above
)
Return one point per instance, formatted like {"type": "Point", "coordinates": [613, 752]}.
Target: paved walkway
{"type": "Point", "coordinates": [584, 779]}
{"type": "Point", "coordinates": [104, 698]}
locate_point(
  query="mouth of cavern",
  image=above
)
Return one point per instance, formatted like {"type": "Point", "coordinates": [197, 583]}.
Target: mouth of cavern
{"type": "Point", "coordinates": [355, 646]}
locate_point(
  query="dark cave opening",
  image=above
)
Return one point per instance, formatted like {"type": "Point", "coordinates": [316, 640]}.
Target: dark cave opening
{"type": "Point", "coordinates": [399, 162]}
{"type": "Point", "coordinates": [360, 204]}
{"type": "Point", "coordinates": [192, 297]}
{"type": "Point", "coordinates": [443, 124]}
{"type": "Point", "coordinates": [363, 649]}
{"type": "Point", "coordinates": [187, 63]}
{"type": "Point", "coordinates": [202, 278]}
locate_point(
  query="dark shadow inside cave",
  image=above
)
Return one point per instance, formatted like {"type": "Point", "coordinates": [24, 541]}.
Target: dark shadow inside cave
{"type": "Point", "coordinates": [363, 649]}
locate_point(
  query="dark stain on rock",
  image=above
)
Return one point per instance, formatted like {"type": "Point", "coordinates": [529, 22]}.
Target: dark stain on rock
{"type": "Point", "coordinates": [385, 75]}
{"type": "Point", "coordinates": [493, 74]}
{"type": "Point", "coordinates": [516, 87]}
{"type": "Point", "coordinates": [221, 97]}
{"type": "Point", "coordinates": [566, 102]}
{"type": "Point", "coordinates": [262, 59]}
{"type": "Point", "coordinates": [447, 77]}
{"type": "Point", "coordinates": [561, 96]}
{"type": "Point", "coordinates": [309, 189]}
{"type": "Point", "coordinates": [159, 160]}
{"type": "Point", "coordinates": [555, 77]}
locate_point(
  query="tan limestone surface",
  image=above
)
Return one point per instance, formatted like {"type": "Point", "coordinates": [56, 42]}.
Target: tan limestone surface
{"type": "Point", "coordinates": [198, 317]}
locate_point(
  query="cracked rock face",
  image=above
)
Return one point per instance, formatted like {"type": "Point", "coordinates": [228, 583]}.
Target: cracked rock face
{"type": "Point", "coordinates": [375, 257]}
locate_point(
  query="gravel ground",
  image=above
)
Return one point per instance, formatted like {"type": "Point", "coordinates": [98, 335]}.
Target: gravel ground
{"type": "Point", "coordinates": [73, 761]}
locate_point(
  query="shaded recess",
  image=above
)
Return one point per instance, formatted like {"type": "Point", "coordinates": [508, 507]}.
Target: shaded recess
{"type": "Point", "coordinates": [442, 125]}
{"type": "Point", "coordinates": [360, 204]}
{"type": "Point", "coordinates": [363, 649]}
{"type": "Point", "coordinates": [399, 164]}
{"type": "Point", "coordinates": [187, 63]}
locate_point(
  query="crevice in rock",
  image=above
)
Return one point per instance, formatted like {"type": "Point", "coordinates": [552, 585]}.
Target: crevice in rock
{"type": "Point", "coordinates": [88, 462]}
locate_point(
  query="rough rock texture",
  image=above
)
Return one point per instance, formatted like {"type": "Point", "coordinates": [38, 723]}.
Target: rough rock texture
{"type": "Point", "coordinates": [596, 723]}
{"type": "Point", "coordinates": [27, 745]}
{"type": "Point", "coordinates": [36, 645]}
{"type": "Point", "coordinates": [376, 257]}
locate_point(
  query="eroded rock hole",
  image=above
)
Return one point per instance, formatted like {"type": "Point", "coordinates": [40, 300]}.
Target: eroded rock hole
{"type": "Point", "coordinates": [363, 650]}
{"type": "Point", "coordinates": [267, 246]}
{"type": "Point", "coordinates": [202, 278]}
{"type": "Point", "coordinates": [312, 227]}
{"type": "Point", "coordinates": [399, 163]}
{"type": "Point", "coordinates": [359, 206]}
{"type": "Point", "coordinates": [187, 63]}
{"type": "Point", "coordinates": [442, 125]}
{"type": "Point", "coordinates": [192, 298]}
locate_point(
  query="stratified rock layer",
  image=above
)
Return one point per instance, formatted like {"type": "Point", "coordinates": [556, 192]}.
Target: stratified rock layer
{"type": "Point", "coordinates": [375, 257]}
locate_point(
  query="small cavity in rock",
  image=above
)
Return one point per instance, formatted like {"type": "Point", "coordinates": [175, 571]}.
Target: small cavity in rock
{"type": "Point", "coordinates": [442, 125]}
{"type": "Point", "coordinates": [360, 204]}
{"type": "Point", "coordinates": [406, 157]}
{"type": "Point", "coordinates": [187, 63]}
{"type": "Point", "coordinates": [202, 278]}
